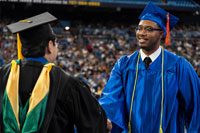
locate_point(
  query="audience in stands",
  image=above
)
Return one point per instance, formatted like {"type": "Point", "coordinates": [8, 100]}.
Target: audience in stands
{"type": "Point", "coordinates": [90, 51]}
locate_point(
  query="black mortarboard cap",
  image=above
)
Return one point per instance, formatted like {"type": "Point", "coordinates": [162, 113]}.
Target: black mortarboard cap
{"type": "Point", "coordinates": [31, 22]}
{"type": "Point", "coordinates": [34, 30]}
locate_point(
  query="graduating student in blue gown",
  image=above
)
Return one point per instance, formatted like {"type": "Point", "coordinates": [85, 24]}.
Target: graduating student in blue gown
{"type": "Point", "coordinates": [162, 97]}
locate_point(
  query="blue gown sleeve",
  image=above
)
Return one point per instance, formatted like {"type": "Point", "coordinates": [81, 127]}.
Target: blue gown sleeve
{"type": "Point", "coordinates": [113, 100]}
{"type": "Point", "coordinates": [189, 88]}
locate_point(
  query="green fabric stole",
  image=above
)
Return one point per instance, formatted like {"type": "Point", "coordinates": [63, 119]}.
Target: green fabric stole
{"type": "Point", "coordinates": [17, 119]}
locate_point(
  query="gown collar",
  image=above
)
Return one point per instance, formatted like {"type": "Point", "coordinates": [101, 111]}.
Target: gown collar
{"type": "Point", "coordinates": [153, 56]}
{"type": "Point", "coordinates": [39, 59]}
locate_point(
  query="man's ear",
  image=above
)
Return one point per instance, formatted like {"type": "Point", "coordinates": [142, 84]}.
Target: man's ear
{"type": "Point", "coordinates": [161, 34]}
{"type": "Point", "coordinates": [50, 46]}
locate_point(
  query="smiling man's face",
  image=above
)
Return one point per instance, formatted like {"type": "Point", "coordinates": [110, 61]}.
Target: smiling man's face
{"type": "Point", "coordinates": [149, 35]}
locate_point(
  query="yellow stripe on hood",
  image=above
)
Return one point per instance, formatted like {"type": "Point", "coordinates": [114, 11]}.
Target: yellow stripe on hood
{"type": "Point", "coordinates": [12, 89]}
{"type": "Point", "coordinates": [41, 88]}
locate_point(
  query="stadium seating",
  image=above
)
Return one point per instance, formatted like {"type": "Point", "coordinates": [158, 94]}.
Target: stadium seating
{"type": "Point", "coordinates": [91, 50]}
{"type": "Point", "coordinates": [177, 3]}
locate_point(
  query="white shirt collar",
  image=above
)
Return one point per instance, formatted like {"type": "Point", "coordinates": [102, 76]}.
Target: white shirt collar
{"type": "Point", "coordinates": [153, 56]}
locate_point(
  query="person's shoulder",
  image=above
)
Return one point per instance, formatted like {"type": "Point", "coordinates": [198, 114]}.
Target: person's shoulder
{"type": "Point", "coordinates": [171, 59]}
{"type": "Point", "coordinates": [170, 55]}
{"type": "Point", "coordinates": [178, 61]}
{"type": "Point", "coordinates": [65, 78]}
{"type": "Point", "coordinates": [126, 60]}
{"type": "Point", "coordinates": [5, 68]}
{"type": "Point", "coordinates": [130, 57]}
{"type": "Point", "coordinates": [59, 70]}
{"type": "Point", "coordinates": [66, 83]}
{"type": "Point", "coordinates": [184, 63]}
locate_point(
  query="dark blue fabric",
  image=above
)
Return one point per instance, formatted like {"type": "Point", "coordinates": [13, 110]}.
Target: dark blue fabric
{"type": "Point", "coordinates": [181, 95]}
{"type": "Point", "coordinates": [39, 59]}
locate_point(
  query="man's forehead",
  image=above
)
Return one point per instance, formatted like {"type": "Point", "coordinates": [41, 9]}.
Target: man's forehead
{"type": "Point", "coordinates": [148, 23]}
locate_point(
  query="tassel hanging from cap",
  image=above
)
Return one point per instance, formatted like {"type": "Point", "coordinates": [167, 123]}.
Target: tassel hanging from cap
{"type": "Point", "coordinates": [167, 39]}
{"type": "Point", "coordinates": [19, 48]}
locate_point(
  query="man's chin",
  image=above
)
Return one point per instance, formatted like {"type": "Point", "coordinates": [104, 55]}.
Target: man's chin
{"type": "Point", "coordinates": [142, 46]}
{"type": "Point", "coordinates": [146, 48]}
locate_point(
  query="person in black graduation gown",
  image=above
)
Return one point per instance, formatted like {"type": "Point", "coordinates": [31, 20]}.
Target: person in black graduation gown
{"type": "Point", "coordinates": [69, 101]}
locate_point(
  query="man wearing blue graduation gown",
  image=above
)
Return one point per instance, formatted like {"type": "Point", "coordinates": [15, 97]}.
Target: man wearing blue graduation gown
{"type": "Point", "coordinates": [161, 97]}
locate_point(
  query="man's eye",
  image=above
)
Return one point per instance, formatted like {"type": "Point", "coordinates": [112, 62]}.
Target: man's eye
{"type": "Point", "coordinates": [138, 28]}
{"type": "Point", "coordinates": [149, 29]}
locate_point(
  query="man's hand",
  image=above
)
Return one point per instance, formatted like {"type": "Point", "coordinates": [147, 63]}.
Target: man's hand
{"type": "Point", "coordinates": [109, 125]}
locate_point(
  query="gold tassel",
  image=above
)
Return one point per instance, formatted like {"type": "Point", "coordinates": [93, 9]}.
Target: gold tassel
{"type": "Point", "coordinates": [161, 131]}
{"type": "Point", "coordinates": [19, 48]}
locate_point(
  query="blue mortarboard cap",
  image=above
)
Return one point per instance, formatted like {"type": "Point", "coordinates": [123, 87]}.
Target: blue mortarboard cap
{"type": "Point", "coordinates": [158, 15]}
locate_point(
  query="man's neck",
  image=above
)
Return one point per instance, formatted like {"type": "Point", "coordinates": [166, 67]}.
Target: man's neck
{"type": "Point", "coordinates": [47, 57]}
{"type": "Point", "coordinates": [149, 52]}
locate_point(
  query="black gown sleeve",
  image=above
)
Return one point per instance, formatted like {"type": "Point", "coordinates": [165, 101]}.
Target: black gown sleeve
{"type": "Point", "coordinates": [4, 72]}
{"type": "Point", "coordinates": [89, 117]}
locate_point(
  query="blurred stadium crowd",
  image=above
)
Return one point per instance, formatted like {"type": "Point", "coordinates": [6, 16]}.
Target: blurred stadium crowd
{"type": "Point", "coordinates": [89, 51]}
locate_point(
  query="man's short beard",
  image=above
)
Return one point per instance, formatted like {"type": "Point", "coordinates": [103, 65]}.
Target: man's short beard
{"type": "Point", "coordinates": [146, 48]}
